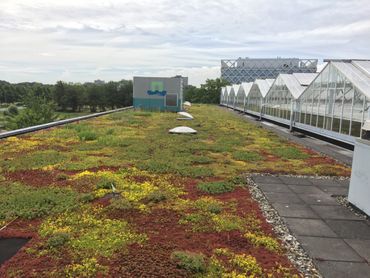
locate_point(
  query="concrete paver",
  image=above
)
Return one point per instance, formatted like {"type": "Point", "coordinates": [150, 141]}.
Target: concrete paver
{"type": "Point", "coordinates": [295, 181]}
{"type": "Point", "coordinates": [309, 227]}
{"type": "Point", "coordinates": [334, 212]}
{"type": "Point", "coordinates": [362, 247]}
{"type": "Point", "coordinates": [350, 229]}
{"type": "Point", "coordinates": [275, 187]}
{"type": "Point", "coordinates": [331, 249]}
{"type": "Point", "coordinates": [333, 269]}
{"type": "Point", "coordinates": [278, 197]}
{"type": "Point", "coordinates": [337, 239]}
{"type": "Point", "coordinates": [326, 182]}
{"type": "Point", "coordinates": [334, 190]}
{"type": "Point", "coordinates": [267, 179]}
{"type": "Point", "coordinates": [315, 199]}
{"type": "Point", "coordinates": [295, 210]}
{"type": "Point", "coordinates": [305, 189]}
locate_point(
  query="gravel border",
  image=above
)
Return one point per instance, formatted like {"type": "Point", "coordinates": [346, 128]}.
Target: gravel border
{"type": "Point", "coordinates": [296, 254]}
{"type": "Point", "coordinates": [343, 201]}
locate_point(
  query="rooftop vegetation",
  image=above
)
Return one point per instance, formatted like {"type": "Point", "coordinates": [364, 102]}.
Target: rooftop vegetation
{"type": "Point", "coordinates": [118, 195]}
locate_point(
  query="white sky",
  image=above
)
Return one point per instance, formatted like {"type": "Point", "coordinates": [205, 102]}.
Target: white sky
{"type": "Point", "coordinates": [84, 40]}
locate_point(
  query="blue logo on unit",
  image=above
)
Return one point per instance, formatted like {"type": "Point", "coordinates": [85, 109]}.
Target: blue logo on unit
{"type": "Point", "coordinates": [156, 88]}
{"type": "Point", "coordinates": [160, 93]}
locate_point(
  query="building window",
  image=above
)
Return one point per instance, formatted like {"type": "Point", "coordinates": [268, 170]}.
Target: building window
{"type": "Point", "coordinates": [171, 100]}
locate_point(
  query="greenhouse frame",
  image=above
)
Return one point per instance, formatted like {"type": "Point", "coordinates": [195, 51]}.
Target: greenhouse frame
{"type": "Point", "coordinates": [223, 96]}
{"type": "Point", "coordinates": [256, 96]}
{"type": "Point", "coordinates": [228, 95]}
{"type": "Point", "coordinates": [281, 99]}
{"type": "Point", "coordinates": [234, 92]}
{"type": "Point", "coordinates": [337, 102]}
{"type": "Point", "coordinates": [334, 103]}
{"type": "Point", "coordinates": [242, 95]}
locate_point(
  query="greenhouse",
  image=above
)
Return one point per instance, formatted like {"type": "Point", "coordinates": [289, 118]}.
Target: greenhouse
{"type": "Point", "coordinates": [242, 95]}
{"type": "Point", "coordinates": [234, 92]}
{"type": "Point", "coordinates": [337, 102]}
{"type": "Point", "coordinates": [223, 96]}
{"type": "Point", "coordinates": [230, 95]}
{"type": "Point", "coordinates": [257, 94]}
{"type": "Point", "coordinates": [283, 94]}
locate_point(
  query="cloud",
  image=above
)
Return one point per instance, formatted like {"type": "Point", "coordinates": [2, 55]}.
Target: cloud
{"type": "Point", "coordinates": [82, 40]}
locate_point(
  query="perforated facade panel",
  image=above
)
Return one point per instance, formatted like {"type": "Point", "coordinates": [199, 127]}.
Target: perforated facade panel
{"type": "Point", "coordinates": [248, 70]}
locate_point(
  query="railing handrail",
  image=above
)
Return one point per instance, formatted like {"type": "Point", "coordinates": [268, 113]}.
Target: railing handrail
{"type": "Point", "coordinates": [57, 123]}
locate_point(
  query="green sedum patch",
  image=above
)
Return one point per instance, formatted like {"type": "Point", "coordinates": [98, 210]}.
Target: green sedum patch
{"type": "Point", "coordinates": [287, 152]}
{"type": "Point", "coordinates": [247, 156]}
{"type": "Point", "coordinates": [17, 200]}
{"type": "Point", "coordinates": [34, 160]}
{"type": "Point", "coordinates": [216, 187]}
{"type": "Point", "coordinates": [192, 262]}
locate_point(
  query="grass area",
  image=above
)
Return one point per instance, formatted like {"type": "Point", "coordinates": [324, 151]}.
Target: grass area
{"type": "Point", "coordinates": [103, 196]}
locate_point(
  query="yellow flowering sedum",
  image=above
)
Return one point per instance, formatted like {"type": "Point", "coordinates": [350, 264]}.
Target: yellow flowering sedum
{"type": "Point", "coordinates": [90, 233]}
{"type": "Point", "coordinates": [19, 144]}
{"type": "Point", "coordinates": [268, 242]}
{"type": "Point", "coordinates": [238, 266]}
{"type": "Point", "coordinates": [89, 267]}
{"type": "Point", "coordinates": [133, 192]}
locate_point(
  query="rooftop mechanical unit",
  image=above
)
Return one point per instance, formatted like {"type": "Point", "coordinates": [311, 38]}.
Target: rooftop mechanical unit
{"type": "Point", "coordinates": [159, 93]}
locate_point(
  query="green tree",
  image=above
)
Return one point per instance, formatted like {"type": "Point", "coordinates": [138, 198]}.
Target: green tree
{"type": "Point", "coordinates": [207, 93]}
{"type": "Point", "coordinates": [39, 110]}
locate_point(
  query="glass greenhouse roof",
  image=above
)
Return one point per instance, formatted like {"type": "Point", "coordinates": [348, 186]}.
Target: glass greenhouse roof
{"type": "Point", "coordinates": [264, 85]}
{"type": "Point", "coordinates": [297, 82]}
{"type": "Point", "coordinates": [228, 89]}
{"type": "Point", "coordinates": [358, 72]}
{"type": "Point", "coordinates": [305, 79]}
{"type": "Point", "coordinates": [236, 88]}
{"type": "Point", "coordinates": [246, 87]}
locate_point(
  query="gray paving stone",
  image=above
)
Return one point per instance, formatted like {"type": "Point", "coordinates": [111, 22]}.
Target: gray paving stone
{"type": "Point", "coordinates": [305, 189]}
{"type": "Point", "coordinates": [362, 247]}
{"type": "Point", "coordinates": [274, 187]}
{"type": "Point", "coordinates": [296, 181]}
{"type": "Point", "coordinates": [334, 190]}
{"type": "Point", "coordinates": [309, 227]}
{"type": "Point", "coordinates": [334, 212]}
{"type": "Point", "coordinates": [350, 229]}
{"type": "Point", "coordinates": [344, 182]}
{"type": "Point", "coordinates": [294, 210]}
{"type": "Point", "coordinates": [283, 198]}
{"type": "Point", "coordinates": [326, 182]}
{"type": "Point", "coordinates": [266, 179]}
{"type": "Point", "coordinates": [332, 249]}
{"type": "Point", "coordinates": [315, 199]}
{"type": "Point", "coordinates": [330, 269]}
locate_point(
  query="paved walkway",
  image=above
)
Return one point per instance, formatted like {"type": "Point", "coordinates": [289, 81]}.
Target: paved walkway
{"type": "Point", "coordinates": [337, 239]}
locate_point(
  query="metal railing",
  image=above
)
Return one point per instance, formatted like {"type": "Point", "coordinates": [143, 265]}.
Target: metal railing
{"type": "Point", "coordinates": [57, 123]}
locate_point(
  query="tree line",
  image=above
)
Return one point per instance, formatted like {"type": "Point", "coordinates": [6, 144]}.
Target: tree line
{"type": "Point", "coordinates": [72, 97]}
{"type": "Point", "coordinates": [40, 102]}
{"type": "Point", "coordinates": [209, 92]}
{"type": "Point", "coordinates": [111, 95]}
